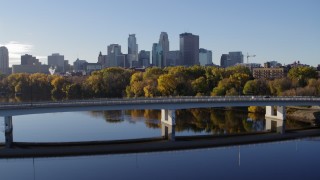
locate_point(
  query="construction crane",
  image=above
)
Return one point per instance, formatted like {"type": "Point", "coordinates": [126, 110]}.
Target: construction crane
{"type": "Point", "coordinates": [249, 56]}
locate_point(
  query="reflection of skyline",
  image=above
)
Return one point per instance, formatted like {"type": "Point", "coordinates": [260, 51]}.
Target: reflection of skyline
{"type": "Point", "coordinates": [212, 121]}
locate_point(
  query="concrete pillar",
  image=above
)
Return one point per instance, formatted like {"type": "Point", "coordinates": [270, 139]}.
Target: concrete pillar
{"type": "Point", "coordinates": [275, 125]}
{"type": "Point", "coordinates": [8, 124]}
{"type": "Point", "coordinates": [8, 131]}
{"type": "Point", "coordinates": [168, 116]}
{"type": "Point", "coordinates": [281, 112]}
{"type": "Point", "coordinates": [168, 131]}
{"type": "Point", "coordinates": [269, 111]}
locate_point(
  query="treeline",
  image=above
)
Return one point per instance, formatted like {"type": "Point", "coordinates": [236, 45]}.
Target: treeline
{"type": "Point", "coordinates": [170, 81]}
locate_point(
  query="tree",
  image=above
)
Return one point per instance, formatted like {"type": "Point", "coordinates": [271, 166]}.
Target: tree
{"type": "Point", "coordinates": [167, 84]}
{"type": "Point", "coordinates": [249, 88]}
{"type": "Point", "coordinates": [199, 85]}
{"type": "Point", "coordinates": [302, 74]}
{"type": "Point", "coordinates": [279, 86]}
{"type": "Point", "coordinates": [59, 85]}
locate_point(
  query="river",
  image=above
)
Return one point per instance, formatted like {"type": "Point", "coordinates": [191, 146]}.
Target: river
{"type": "Point", "coordinates": [290, 159]}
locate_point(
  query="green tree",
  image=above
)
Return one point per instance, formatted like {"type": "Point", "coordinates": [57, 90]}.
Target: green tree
{"type": "Point", "coordinates": [200, 85]}
{"type": "Point", "coordinates": [167, 84]}
{"type": "Point", "coordinates": [302, 74]}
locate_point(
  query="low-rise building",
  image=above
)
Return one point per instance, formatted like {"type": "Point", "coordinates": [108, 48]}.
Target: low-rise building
{"type": "Point", "coordinates": [268, 73]}
{"type": "Point", "coordinates": [90, 67]}
{"type": "Point", "coordinates": [30, 69]}
{"type": "Point", "coordinates": [251, 66]}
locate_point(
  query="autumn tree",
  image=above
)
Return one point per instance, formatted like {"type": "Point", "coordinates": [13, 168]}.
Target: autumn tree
{"type": "Point", "coordinates": [302, 74]}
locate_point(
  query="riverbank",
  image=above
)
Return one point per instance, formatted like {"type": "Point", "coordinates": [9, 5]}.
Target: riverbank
{"type": "Point", "coordinates": [23, 150]}
{"type": "Point", "coordinates": [304, 114]}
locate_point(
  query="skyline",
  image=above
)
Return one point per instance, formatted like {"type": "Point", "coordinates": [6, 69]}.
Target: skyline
{"type": "Point", "coordinates": [284, 31]}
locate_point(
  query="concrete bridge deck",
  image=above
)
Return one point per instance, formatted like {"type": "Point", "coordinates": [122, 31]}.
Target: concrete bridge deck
{"type": "Point", "coordinates": [13, 109]}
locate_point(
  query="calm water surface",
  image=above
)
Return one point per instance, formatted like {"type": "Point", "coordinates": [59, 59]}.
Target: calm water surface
{"type": "Point", "coordinates": [291, 159]}
{"type": "Point", "coordinates": [284, 160]}
{"type": "Point", "coordinates": [115, 125]}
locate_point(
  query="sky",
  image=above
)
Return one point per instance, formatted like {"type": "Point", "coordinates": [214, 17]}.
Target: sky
{"type": "Point", "coordinates": [273, 30]}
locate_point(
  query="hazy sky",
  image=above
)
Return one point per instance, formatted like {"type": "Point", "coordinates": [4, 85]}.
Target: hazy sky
{"type": "Point", "coordinates": [281, 30]}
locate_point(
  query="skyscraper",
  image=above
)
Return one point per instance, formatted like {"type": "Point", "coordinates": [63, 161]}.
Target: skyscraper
{"type": "Point", "coordinates": [132, 49]}
{"type": "Point", "coordinates": [189, 49]}
{"type": "Point", "coordinates": [57, 60]}
{"type": "Point", "coordinates": [144, 58]}
{"type": "Point", "coordinates": [205, 57]}
{"type": "Point", "coordinates": [4, 60]}
{"type": "Point", "coordinates": [157, 55]}
{"type": "Point", "coordinates": [164, 42]}
{"type": "Point", "coordinates": [231, 59]}
{"type": "Point", "coordinates": [115, 57]}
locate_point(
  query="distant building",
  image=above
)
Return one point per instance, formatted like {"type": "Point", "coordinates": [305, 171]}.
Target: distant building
{"type": "Point", "coordinates": [224, 60]}
{"type": "Point", "coordinates": [38, 68]}
{"type": "Point", "coordinates": [205, 57]}
{"type": "Point", "coordinates": [102, 59]}
{"type": "Point", "coordinates": [231, 59]}
{"type": "Point", "coordinates": [189, 49]}
{"type": "Point", "coordinates": [67, 66]}
{"type": "Point", "coordinates": [29, 60]}
{"type": "Point", "coordinates": [173, 58]}
{"type": "Point", "coordinates": [79, 65]}
{"type": "Point", "coordinates": [164, 43]}
{"type": "Point", "coordinates": [90, 67]}
{"type": "Point", "coordinates": [318, 68]}
{"type": "Point", "coordinates": [4, 60]}
{"type": "Point", "coordinates": [268, 73]}
{"type": "Point", "coordinates": [115, 57]}
{"type": "Point", "coordinates": [250, 66]}
{"type": "Point", "coordinates": [272, 64]}
{"type": "Point", "coordinates": [144, 58]}
{"type": "Point", "coordinates": [296, 64]}
{"type": "Point", "coordinates": [57, 60]}
{"type": "Point", "coordinates": [132, 49]}
{"type": "Point", "coordinates": [157, 55]}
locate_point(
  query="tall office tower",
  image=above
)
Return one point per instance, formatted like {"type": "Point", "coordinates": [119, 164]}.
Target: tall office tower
{"type": "Point", "coordinates": [115, 56]}
{"type": "Point", "coordinates": [29, 60]}
{"type": "Point", "coordinates": [236, 57]}
{"type": "Point", "coordinates": [57, 60]}
{"type": "Point", "coordinates": [164, 42]}
{"type": "Point", "coordinates": [132, 49]}
{"type": "Point", "coordinates": [144, 58]}
{"type": "Point", "coordinates": [4, 60]}
{"type": "Point", "coordinates": [231, 59]}
{"type": "Point", "coordinates": [205, 57]}
{"type": "Point", "coordinates": [157, 55]}
{"type": "Point", "coordinates": [173, 58]}
{"type": "Point", "coordinates": [189, 49]}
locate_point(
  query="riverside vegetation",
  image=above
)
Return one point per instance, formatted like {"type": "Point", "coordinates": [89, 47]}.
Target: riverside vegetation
{"type": "Point", "coordinates": [171, 81]}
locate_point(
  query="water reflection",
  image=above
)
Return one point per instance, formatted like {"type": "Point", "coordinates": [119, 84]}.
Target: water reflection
{"type": "Point", "coordinates": [207, 120]}
{"type": "Point", "coordinates": [133, 124]}
{"type": "Point", "coordinates": [211, 121]}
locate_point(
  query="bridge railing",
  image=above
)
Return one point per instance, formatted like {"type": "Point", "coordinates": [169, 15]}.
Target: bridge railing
{"type": "Point", "coordinates": [169, 99]}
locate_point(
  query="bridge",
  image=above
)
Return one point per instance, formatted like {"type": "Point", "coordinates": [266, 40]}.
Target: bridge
{"type": "Point", "coordinates": [275, 108]}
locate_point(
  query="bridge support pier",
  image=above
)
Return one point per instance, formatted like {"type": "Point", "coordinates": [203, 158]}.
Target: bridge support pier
{"type": "Point", "coordinates": [168, 122]}
{"type": "Point", "coordinates": [275, 121]}
{"type": "Point", "coordinates": [8, 131]}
